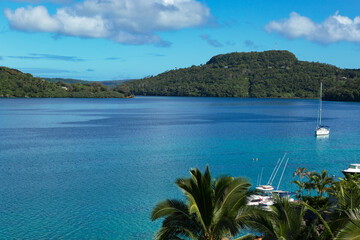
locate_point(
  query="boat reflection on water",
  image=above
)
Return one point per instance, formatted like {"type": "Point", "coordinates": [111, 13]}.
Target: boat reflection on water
{"type": "Point", "coordinates": [319, 137]}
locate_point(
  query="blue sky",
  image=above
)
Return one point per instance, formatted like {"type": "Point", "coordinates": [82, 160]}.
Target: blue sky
{"type": "Point", "coordinates": [126, 39]}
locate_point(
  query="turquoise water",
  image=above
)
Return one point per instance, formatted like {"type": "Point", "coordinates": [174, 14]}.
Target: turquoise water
{"type": "Point", "coordinates": [94, 168]}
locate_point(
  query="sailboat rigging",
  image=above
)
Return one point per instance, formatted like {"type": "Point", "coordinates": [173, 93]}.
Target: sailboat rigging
{"type": "Point", "coordinates": [321, 130]}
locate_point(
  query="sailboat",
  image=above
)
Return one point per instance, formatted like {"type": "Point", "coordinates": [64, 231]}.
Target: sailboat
{"type": "Point", "coordinates": [321, 130]}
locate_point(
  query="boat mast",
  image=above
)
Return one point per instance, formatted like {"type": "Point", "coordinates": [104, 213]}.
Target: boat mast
{"type": "Point", "coordinates": [273, 172]}
{"type": "Point", "coordinates": [261, 176]}
{"type": "Point", "coordinates": [282, 174]}
{"type": "Point", "coordinates": [277, 169]}
{"type": "Point", "coordinates": [320, 103]}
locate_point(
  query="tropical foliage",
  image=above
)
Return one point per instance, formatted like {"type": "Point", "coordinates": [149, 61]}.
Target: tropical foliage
{"type": "Point", "coordinates": [316, 185]}
{"type": "Point", "coordinates": [256, 74]}
{"type": "Point", "coordinates": [214, 208]}
{"type": "Point", "coordinates": [286, 220]}
{"type": "Point", "coordinates": [217, 209]}
{"type": "Point", "coordinates": [14, 83]}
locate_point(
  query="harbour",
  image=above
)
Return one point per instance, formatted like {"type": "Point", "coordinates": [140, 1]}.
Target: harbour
{"type": "Point", "coordinates": [94, 168]}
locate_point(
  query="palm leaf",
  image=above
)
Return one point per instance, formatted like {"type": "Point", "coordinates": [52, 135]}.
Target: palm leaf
{"type": "Point", "coordinates": [168, 207]}
{"type": "Point", "coordinates": [350, 232]}
{"type": "Point", "coordinates": [319, 216]}
{"type": "Point", "coordinates": [211, 211]}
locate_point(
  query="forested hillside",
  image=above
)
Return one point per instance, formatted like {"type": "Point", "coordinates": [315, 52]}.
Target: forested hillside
{"type": "Point", "coordinates": [277, 74]}
{"type": "Point", "coordinates": [66, 80]}
{"type": "Point", "coordinates": [109, 83]}
{"type": "Point", "coordinates": [14, 83]}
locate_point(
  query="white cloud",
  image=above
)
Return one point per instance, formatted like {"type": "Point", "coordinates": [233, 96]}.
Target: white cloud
{"type": "Point", "coordinates": [124, 21]}
{"type": "Point", "coordinates": [32, 19]}
{"type": "Point", "coordinates": [334, 29]}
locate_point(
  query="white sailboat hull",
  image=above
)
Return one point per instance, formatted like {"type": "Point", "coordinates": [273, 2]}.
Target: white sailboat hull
{"type": "Point", "coordinates": [322, 131]}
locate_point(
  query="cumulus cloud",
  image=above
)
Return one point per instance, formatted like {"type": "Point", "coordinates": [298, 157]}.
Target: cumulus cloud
{"type": "Point", "coordinates": [123, 21]}
{"type": "Point", "coordinates": [210, 41]}
{"type": "Point", "coordinates": [334, 29]}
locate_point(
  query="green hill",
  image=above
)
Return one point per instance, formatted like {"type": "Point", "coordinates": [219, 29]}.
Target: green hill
{"type": "Point", "coordinates": [113, 83]}
{"type": "Point", "coordinates": [275, 74]}
{"type": "Point", "coordinates": [14, 83]}
{"type": "Point", "coordinates": [109, 83]}
{"type": "Point", "coordinates": [66, 80]}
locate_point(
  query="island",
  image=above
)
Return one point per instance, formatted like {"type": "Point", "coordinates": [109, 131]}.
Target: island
{"type": "Point", "coordinates": [14, 83]}
{"type": "Point", "coordinates": [268, 74]}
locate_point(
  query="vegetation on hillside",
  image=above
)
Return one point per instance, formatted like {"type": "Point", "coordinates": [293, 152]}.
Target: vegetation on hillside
{"type": "Point", "coordinates": [110, 83]}
{"type": "Point", "coordinates": [66, 80]}
{"type": "Point", "coordinates": [215, 209]}
{"type": "Point", "coordinates": [14, 83]}
{"type": "Point", "coordinates": [276, 74]}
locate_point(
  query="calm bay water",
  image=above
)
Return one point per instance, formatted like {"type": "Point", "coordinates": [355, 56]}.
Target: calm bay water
{"type": "Point", "coordinates": [94, 168]}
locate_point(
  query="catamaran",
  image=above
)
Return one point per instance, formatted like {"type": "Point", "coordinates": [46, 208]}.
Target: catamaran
{"type": "Point", "coordinates": [321, 130]}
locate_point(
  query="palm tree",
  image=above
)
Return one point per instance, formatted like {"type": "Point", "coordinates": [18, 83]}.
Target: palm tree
{"type": "Point", "coordinates": [301, 172]}
{"type": "Point", "coordinates": [213, 209]}
{"type": "Point", "coordinates": [322, 182]}
{"type": "Point", "coordinates": [285, 220]}
{"type": "Point", "coordinates": [309, 185]}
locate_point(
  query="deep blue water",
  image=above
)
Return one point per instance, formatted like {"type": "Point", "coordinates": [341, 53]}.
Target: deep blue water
{"type": "Point", "coordinates": [94, 168]}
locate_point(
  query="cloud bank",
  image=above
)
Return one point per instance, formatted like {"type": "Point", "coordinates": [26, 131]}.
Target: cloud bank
{"type": "Point", "coordinates": [40, 56]}
{"type": "Point", "coordinates": [123, 21]}
{"type": "Point", "coordinates": [43, 1]}
{"type": "Point", "coordinates": [334, 29]}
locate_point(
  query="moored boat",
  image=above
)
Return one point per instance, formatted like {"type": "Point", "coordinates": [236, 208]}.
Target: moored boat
{"type": "Point", "coordinates": [353, 169]}
{"type": "Point", "coordinates": [264, 195]}
{"type": "Point", "coordinates": [321, 130]}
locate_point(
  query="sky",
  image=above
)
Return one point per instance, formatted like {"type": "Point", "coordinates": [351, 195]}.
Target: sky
{"type": "Point", "coordinates": [100, 40]}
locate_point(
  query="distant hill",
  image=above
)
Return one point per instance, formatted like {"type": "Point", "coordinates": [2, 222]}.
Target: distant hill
{"type": "Point", "coordinates": [269, 74]}
{"type": "Point", "coordinates": [113, 83]}
{"type": "Point", "coordinates": [66, 80]}
{"type": "Point", "coordinates": [110, 83]}
{"type": "Point", "coordinates": [14, 83]}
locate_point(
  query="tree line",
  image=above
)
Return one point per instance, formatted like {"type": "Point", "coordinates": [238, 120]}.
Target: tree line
{"type": "Point", "coordinates": [217, 209]}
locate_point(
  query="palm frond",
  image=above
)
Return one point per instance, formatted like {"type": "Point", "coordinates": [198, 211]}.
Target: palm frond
{"type": "Point", "coordinates": [168, 207]}
{"type": "Point", "coordinates": [220, 186]}
{"type": "Point", "coordinates": [166, 233]}
{"type": "Point", "coordinates": [350, 232]}
{"type": "Point", "coordinates": [246, 237]}
{"type": "Point", "coordinates": [319, 216]}
{"type": "Point", "coordinates": [212, 208]}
